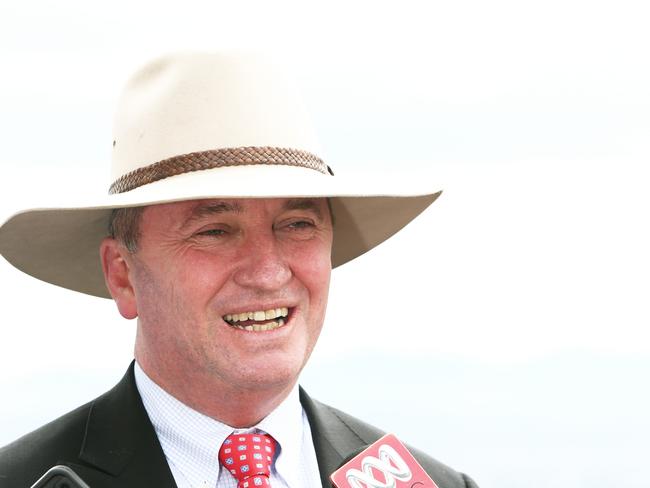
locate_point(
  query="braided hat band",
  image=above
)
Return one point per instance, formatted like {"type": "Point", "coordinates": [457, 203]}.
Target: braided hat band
{"type": "Point", "coordinates": [217, 158]}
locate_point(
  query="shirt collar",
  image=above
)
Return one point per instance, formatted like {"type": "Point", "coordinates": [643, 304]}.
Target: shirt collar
{"type": "Point", "coordinates": [192, 440]}
{"type": "Point", "coordinates": [285, 424]}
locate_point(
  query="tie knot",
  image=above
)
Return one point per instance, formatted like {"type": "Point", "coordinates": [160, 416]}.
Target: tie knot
{"type": "Point", "coordinates": [249, 458]}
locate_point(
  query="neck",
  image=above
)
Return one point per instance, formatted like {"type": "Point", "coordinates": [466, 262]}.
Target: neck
{"type": "Point", "coordinates": [239, 407]}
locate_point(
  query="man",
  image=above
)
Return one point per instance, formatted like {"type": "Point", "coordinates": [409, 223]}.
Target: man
{"type": "Point", "coordinates": [223, 226]}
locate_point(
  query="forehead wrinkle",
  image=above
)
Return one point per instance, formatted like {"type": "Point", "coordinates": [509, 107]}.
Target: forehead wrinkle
{"type": "Point", "coordinates": [213, 208]}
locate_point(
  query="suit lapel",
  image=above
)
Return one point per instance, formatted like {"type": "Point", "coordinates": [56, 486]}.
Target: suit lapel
{"type": "Point", "coordinates": [120, 447]}
{"type": "Point", "coordinates": [334, 440]}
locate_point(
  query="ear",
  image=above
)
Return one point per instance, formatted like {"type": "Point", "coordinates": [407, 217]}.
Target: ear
{"type": "Point", "coordinates": [118, 277]}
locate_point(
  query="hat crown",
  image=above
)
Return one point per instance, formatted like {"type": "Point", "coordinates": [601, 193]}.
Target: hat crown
{"type": "Point", "coordinates": [192, 102]}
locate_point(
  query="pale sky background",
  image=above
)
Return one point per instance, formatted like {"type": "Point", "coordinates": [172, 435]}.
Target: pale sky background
{"type": "Point", "coordinates": [505, 331]}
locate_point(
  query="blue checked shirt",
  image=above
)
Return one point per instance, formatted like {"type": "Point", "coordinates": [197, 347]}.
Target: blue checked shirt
{"type": "Point", "coordinates": [191, 440]}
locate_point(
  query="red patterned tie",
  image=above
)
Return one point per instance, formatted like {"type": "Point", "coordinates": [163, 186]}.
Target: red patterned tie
{"type": "Point", "coordinates": [249, 458]}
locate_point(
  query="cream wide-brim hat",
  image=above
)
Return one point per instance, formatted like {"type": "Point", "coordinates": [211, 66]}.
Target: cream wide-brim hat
{"type": "Point", "coordinates": [209, 125]}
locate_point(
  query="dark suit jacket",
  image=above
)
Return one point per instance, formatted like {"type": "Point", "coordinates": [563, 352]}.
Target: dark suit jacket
{"type": "Point", "coordinates": [111, 443]}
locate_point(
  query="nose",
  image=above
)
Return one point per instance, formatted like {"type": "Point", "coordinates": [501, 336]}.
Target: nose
{"type": "Point", "coordinates": [262, 266]}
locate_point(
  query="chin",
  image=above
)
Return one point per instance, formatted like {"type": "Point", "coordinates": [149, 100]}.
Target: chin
{"type": "Point", "coordinates": [270, 375]}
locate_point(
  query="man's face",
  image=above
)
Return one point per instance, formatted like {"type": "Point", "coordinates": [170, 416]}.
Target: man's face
{"type": "Point", "coordinates": [211, 276]}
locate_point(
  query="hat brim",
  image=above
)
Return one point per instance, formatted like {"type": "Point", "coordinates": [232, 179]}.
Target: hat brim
{"type": "Point", "coordinates": [60, 245]}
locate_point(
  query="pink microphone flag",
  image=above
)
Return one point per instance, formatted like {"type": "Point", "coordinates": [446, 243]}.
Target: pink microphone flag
{"type": "Point", "coordinates": [385, 464]}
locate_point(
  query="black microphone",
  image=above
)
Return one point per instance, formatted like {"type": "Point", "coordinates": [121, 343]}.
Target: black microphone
{"type": "Point", "coordinates": [60, 477]}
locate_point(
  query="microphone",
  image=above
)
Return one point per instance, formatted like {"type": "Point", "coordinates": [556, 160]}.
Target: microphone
{"type": "Point", "coordinates": [60, 477]}
{"type": "Point", "coordinates": [387, 463]}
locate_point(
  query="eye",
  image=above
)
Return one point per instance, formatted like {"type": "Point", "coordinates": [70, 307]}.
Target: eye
{"type": "Point", "coordinates": [212, 233]}
{"type": "Point", "coordinates": [297, 228]}
{"type": "Point", "coordinates": [301, 224]}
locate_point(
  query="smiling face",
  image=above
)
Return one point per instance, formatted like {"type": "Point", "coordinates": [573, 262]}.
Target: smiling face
{"type": "Point", "coordinates": [229, 294]}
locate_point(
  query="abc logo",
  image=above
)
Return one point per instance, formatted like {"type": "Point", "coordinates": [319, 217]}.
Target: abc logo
{"type": "Point", "coordinates": [389, 463]}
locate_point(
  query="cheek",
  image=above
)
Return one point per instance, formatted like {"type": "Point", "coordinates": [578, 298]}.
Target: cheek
{"type": "Point", "coordinates": [313, 268]}
{"type": "Point", "coordinates": [172, 293]}
{"type": "Point", "coordinates": [200, 276]}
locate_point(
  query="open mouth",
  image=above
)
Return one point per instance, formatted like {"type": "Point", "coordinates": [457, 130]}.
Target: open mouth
{"type": "Point", "coordinates": [257, 321]}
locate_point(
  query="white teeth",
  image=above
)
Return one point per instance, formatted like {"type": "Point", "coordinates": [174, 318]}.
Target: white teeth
{"type": "Point", "coordinates": [272, 325]}
{"type": "Point", "coordinates": [259, 316]}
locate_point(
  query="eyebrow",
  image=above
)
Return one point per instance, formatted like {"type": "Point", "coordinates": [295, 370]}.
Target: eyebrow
{"type": "Point", "coordinates": [304, 204]}
{"type": "Point", "coordinates": [216, 208]}
{"type": "Point", "coordinates": [220, 208]}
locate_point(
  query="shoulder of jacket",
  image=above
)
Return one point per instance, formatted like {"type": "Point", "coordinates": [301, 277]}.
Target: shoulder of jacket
{"type": "Point", "coordinates": [443, 475]}
{"type": "Point", "coordinates": [27, 458]}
